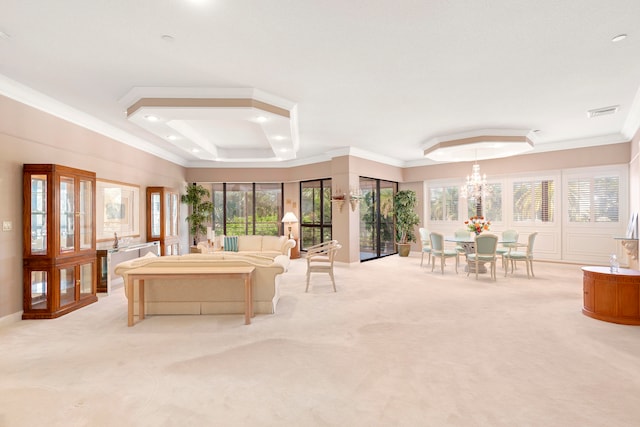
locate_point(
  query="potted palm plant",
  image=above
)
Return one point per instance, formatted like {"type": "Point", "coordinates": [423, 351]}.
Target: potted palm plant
{"type": "Point", "coordinates": [404, 204]}
{"type": "Point", "coordinates": [200, 209]}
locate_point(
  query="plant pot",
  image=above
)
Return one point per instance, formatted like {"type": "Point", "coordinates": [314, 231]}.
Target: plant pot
{"type": "Point", "coordinates": [404, 249]}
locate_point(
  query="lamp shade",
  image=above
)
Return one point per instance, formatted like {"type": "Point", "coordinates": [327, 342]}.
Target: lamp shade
{"type": "Point", "coordinates": [289, 217]}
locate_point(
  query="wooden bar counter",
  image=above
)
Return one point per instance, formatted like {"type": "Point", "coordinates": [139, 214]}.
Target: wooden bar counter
{"type": "Point", "coordinates": [612, 297]}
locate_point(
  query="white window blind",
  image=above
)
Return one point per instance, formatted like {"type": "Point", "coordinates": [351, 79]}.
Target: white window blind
{"type": "Point", "coordinates": [533, 200]}
{"type": "Point", "coordinates": [594, 199]}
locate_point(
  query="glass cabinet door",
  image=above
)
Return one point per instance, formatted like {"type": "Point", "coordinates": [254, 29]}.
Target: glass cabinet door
{"type": "Point", "coordinates": [86, 214]}
{"type": "Point", "coordinates": [38, 297]}
{"type": "Point", "coordinates": [86, 279]}
{"type": "Point", "coordinates": [174, 214]}
{"type": "Point", "coordinates": [163, 206]}
{"type": "Point", "coordinates": [38, 214]}
{"type": "Point", "coordinates": [67, 286]}
{"type": "Point", "coordinates": [67, 214]}
{"type": "Point", "coordinates": [155, 214]}
{"type": "Point", "coordinates": [167, 214]}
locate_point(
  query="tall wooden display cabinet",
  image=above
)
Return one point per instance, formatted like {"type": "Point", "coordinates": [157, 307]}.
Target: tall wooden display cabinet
{"type": "Point", "coordinates": [59, 234]}
{"type": "Point", "coordinates": [162, 219]}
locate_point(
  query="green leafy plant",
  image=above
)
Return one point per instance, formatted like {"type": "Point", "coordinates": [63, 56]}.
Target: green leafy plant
{"type": "Point", "coordinates": [200, 209]}
{"type": "Point", "coordinates": [404, 204]}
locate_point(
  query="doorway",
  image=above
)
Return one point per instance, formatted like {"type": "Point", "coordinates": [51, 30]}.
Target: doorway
{"type": "Point", "coordinates": [376, 218]}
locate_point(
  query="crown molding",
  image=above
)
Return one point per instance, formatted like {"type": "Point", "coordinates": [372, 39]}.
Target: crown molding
{"type": "Point", "coordinates": [32, 98]}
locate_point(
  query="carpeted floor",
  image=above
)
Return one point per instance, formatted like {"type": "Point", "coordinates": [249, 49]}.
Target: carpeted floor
{"type": "Point", "coordinates": [397, 345]}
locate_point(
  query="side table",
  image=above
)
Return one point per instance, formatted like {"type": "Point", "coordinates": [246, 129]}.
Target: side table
{"type": "Point", "coordinates": [612, 296]}
{"type": "Point", "coordinates": [295, 251]}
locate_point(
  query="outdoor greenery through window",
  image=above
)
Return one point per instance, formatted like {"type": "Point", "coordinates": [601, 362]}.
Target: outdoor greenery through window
{"type": "Point", "coordinates": [594, 199]}
{"type": "Point", "coordinates": [533, 201]}
{"type": "Point", "coordinates": [377, 220]}
{"type": "Point", "coordinates": [443, 203]}
{"type": "Point", "coordinates": [247, 208]}
{"type": "Point", "coordinates": [315, 204]}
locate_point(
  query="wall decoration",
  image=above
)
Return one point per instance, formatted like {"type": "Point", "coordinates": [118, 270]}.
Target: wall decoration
{"type": "Point", "coordinates": [118, 210]}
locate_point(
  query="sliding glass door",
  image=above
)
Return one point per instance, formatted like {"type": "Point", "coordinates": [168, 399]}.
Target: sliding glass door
{"type": "Point", "coordinates": [315, 220]}
{"type": "Point", "coordinates": [376, 218]}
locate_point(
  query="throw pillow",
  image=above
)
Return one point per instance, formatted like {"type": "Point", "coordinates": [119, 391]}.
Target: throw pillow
{"type": "Point", "coordinates": [231, 243]}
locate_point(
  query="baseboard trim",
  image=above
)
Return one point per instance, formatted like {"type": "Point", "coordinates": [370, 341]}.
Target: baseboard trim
{"type": "Point", "coordinates": [10, 319]}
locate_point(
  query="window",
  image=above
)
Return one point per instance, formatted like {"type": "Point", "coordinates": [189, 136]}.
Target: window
{"type": "Point", "coordinates": [443, 203]}
{"type": "Point", "coordinates": [594, 199]}
{"type": "Point", "coordinates": [533, 201]}
{"type": "Point", "coordinates": [239, 209]}
{"type": "Point", "coordinates": [268, 209]}
{"type": "Point", "coordinates": [246, 208]}
{"type": "Point", "coordinates": [315, 204]}
{"type": "Point", "coordinates": [490, 206]}
{"type": "Point", "coordinates": [217, 196]}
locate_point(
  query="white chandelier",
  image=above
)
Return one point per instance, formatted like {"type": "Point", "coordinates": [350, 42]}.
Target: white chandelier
{"type": "Point", "coordinates": [476, 185]}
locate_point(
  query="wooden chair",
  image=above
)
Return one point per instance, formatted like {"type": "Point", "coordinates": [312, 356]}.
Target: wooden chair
{"type": "Point", "coordinates": [438, 251]}
{"type": "Point", "coordinates": [485, 251]}
{"type": "Point", "coordinates": [320, 259]}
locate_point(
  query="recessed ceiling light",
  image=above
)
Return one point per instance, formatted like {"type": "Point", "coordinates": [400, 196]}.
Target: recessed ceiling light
{"type": "Point", "coordinates": [261, 119]}
{"type": "Point", "coordinates": [151, 118]}
{"type": "Point", "coordinates": [172, 137]}
{"type": "Point", "coordinates": [283, 150]}
{"type": "Point", "coordinates": [619, 37]}
{"type": "Point", "coordinates": [195, 150]}
{"type": "Point", "coordinates": [278, 137]}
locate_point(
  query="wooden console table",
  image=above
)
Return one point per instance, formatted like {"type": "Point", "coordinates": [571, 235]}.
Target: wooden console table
{"type": "Point", "coordinates": [143, 273]}
{"type": "Point", "coordinates": [612, 297]}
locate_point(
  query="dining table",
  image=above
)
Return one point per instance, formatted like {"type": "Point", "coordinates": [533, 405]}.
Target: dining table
{"type": "Point", "coordinates": [469, 246]}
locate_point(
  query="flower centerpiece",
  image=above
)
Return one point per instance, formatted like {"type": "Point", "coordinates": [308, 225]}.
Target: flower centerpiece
{"type": "Point", "coordinates": [477, 224]}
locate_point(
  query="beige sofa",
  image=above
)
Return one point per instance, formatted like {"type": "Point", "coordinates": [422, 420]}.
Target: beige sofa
{"type": "Point", "coordinates": [268, 246]}
{"type": "Point", "coordinates": [200, 296]}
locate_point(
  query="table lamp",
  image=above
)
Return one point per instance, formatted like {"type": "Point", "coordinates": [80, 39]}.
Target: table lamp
{"type": "Point", "coordinates": [290, 218]}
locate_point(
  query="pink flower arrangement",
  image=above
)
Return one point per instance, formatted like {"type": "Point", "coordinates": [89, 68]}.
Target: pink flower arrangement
{"type": "Point", "coordinates": [477, 224]}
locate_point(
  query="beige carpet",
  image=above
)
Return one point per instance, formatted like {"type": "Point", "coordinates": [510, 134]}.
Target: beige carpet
{"type": "Point", "coordinates": [397, 345]}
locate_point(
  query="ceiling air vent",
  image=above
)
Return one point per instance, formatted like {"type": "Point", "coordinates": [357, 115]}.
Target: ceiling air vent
{"type": "Point", "coordinates": [602, 111]}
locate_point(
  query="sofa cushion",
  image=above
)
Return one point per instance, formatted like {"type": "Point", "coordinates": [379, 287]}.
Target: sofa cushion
{"type": "Point", "coordinates": [251, 243]}
{"type": "Point", "coordinates": [231, 243]}
{"type": "Point", "coordinates": [273, 243]}
{"type": "Point", "coordinates": [139, 262]}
